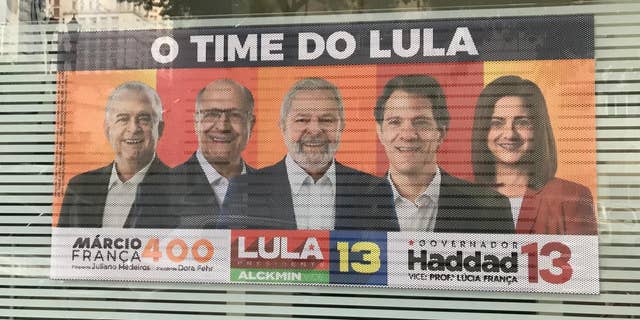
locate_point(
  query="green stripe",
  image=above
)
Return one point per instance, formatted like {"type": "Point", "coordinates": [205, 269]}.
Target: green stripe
{"type": "Point", "coordinates": [280, 276]}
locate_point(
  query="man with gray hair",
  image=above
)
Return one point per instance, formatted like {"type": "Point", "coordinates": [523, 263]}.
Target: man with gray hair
{"type": "Point", "coordinates": [308, 189]}
{"type": "Point", "coordinates": [132, 185]}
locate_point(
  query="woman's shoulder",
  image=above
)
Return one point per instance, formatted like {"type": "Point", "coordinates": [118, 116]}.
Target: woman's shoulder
{"type": "Point", "coordinates": [565, 187]}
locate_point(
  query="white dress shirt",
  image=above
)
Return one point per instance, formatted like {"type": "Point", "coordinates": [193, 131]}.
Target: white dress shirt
{"type": "Point", "coordinates": [313, 201]}
{"type": "Point", "coordinates": [120, 197]}
{"type": "Point", "coordinates": [218, 183]}
{"type": "Point", "coordinates": [421, 215]}
{"type": "Point", "coordinates": [516, 203]}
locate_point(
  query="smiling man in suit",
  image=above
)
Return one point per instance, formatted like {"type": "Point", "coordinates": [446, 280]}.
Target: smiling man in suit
{"type": "Point", "coordinates": [134, 183]}
{"type": "Point", "coordinates": [308, 189]}
{"type": "Point", "coordinates": [223, 122]}
{"type": "Point", "coordinates": [412, 121]}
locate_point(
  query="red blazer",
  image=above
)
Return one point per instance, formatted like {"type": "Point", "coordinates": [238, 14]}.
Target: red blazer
{"type": "Point", "coordinates": [560, 207]}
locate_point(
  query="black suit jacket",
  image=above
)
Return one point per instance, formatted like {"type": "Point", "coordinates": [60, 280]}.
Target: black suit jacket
{"type": "Point", "coordinates": [263, 200]}
{"type": "Point", "coordinates": [193, 202]}
{"type": "Point", "coordinates": [464, 207]}
{"type": "Point", "coordinates": [86, 194]}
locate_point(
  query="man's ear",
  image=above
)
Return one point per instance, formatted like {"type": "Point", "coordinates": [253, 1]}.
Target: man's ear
{"type": "Point", "coordinates": [160, 129]}
{"type": "Point", "coordinates": [379, 131]}
{"type": "Point", "coordinates": [252, 123]}
{"type": "Point", "coordinates": [195, 123]}
{"type": "Point", "coordinates": [282, 126]}
{"type": "Point", "coordinates": [441, 134]}
{"type": "Point", "coordinates": [105, 127]}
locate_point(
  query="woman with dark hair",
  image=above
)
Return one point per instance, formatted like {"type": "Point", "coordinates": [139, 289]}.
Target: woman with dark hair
{"type": "Point", "coordinates": [514, 152]}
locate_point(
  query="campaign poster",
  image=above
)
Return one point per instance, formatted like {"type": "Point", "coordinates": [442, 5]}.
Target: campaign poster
{"type": "Point", "coordinates": [440, 154]}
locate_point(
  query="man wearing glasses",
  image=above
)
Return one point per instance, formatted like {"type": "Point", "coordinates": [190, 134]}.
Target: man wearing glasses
{"type": "Point", "coordinates": [223, 122]}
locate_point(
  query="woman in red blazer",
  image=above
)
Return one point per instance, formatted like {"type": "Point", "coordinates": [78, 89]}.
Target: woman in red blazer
{"type": "Point", "coordinates": [514, 151]}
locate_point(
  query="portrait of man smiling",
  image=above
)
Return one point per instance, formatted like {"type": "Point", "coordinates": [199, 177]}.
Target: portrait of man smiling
{"type": "Point", "coordinates": [412, 121]}
{"type": "Point", "coordinates": [132, 185]}
{"type": "Point", "coordinates": [223, 120]}
{"type": "Point", "coordinates": [309, 189]}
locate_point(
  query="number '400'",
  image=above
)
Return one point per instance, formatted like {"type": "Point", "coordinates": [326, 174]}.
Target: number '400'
{"type": "Point", "coordinates": [152, 250]}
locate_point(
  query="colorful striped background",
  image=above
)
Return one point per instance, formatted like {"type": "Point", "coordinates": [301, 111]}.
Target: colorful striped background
{"type": "Point", "coordinates": [568, 86]}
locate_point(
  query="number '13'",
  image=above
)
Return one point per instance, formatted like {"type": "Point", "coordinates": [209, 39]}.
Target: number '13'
{"type": "Point", "coordinates": [370, 254]}
{"type": "Point", "coordinates": [561, 262]}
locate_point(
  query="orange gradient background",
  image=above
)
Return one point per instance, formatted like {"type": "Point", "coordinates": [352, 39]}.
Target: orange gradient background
{"type": "Point", "coordinates": [568, 86]}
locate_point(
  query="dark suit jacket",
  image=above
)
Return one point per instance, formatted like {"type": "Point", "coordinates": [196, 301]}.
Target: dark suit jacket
{"type": "Point", "coordinates": [464, 207]}
{"type": "Point", "coordinates": [263, 200]}
{"type": "Point", "coordinates": [86, 194]}
{"type": "Point", "coordinates": [193, 202]}
{"type": "Point", "coordinates": [560, 207]}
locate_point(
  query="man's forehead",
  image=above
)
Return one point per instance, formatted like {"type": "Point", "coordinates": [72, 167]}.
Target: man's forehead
{"type": "Point", "coordinates": [131, 103]}
{"type": "Point", "coordinates": [401, 102]}
{"type": "Point", "coordinates": [425, 110]}
{"type": "Point", "coordinates": [314, 109]}
{"type": "Point", "coordinates": [314, 101]}
{"type": "Point", "coordinates": [314, 94]}
{"type": "Point", "coordinates": [221, 96]}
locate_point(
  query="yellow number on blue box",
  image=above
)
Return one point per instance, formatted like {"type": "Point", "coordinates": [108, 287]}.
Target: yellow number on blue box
{"type": "Point", "coordinates": [358, 257]}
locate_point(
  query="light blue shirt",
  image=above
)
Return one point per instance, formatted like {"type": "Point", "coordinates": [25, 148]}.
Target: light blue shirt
{"type": "Point", "coordinates": [120, 197]}
{"type": "Point", "coordinates": [314, 202]}
{"type": "Point", "coordinates": [218, 183]}
{"type": "Point", "coordinates": [421, 215]}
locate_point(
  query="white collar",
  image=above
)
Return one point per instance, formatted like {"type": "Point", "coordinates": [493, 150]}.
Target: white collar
{"type": "Point", "coordinates": [297, 175]}
{"type": "Point", "coordinates": [212, 174]}
{"type": "Point", "coordinates": [136, 179]}
{"type": "Point", "coordinates": [432, 191]}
